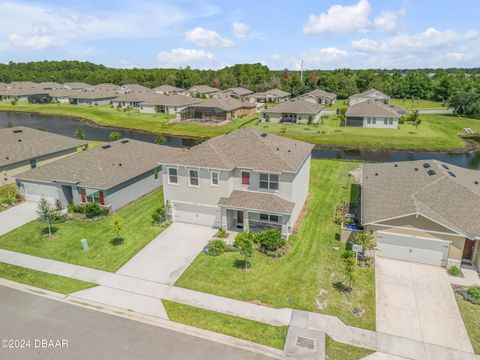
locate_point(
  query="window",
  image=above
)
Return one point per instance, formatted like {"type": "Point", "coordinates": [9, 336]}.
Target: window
{"type": "Point", "coordinates": [245, 178]}
{"type": "Point", "coordinates": [385, 121]}
{"type": "Point", "coordinates": [269, 181]}
{"type": "Point", "coordinates": [374, 121]}
{"type": "Point", "coordinates": [172, 175]}
{"type": "Point", "coordinates": [156, 173]}
{"type": "Point", "coordinates": [264, 217]}
{"type": "Point", "coordinates": [274, 218]}
{"type": "Point", "coordinates": [33, 163]}
{"type": "Point", "coordinates": [269, 218]}
{"type": "Point", "coordinates": [193, 177]}
{"type": "Point", "coordinates": [214, 177]}
{"type": "Point", "coordinates": [390, 121]}
{"type": "Point", "coordinates": [95, 196]}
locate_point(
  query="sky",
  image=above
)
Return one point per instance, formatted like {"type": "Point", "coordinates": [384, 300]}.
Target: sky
{"type": "Point", "coordinates": [211, 34]}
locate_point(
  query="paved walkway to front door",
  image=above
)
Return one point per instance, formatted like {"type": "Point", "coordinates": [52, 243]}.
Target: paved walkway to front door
{"type": "Point", "coordinates": [416, 301]}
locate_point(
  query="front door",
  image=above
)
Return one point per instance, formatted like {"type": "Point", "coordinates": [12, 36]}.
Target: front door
{"type": "Point", "coordinates": [240, 218]}
{"type": "Point", "coordinates": [468, 249]}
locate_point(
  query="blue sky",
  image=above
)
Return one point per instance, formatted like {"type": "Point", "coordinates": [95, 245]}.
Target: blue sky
{"type": "Point", "coordinates": [213, 34]}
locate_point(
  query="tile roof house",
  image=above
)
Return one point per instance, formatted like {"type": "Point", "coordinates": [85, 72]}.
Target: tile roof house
{"type": "Point", "coordinates": [319, 96]}
{"type": "Point", "coordinates": [25, 148]}
{"type": "Point", "coordinates": [293, 111]}
{"type": "Point", "coordinates": [372, 94]}
{"type": "Point", "coordinates": [425, 211]}
{"type": "Point", "coordinates": [242, 180]}
{"type": "Point", "coordinates": [273, 95]}
{"type": "Point", "coordinates": [373, 114]}
{"type": "Point", "coordinates": [218, 109]}
{"type": "Point", "coordinates": [112, 175]}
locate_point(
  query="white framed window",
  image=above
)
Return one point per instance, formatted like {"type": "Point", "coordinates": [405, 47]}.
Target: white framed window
{"type": "Point", "coordinates": [385, 121]}
{"type": "Point", "coordinates": [270, 218]}
{"type": "Point", "coordinates": [269, 181]}
{"type": "Point", "coordinates": [374, 121]}
{"type": "Point", "coordinates": [193, 177]}
{"type": "Point", "coordinates": [173, 175]}
{"type": "Point", "coordinates": [390, 121]}
{"type": "Point", "coordinates": [215, 178]}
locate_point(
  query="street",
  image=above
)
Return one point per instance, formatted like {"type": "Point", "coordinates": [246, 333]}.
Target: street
{"type": "Point", "coordinates": [50, 329]}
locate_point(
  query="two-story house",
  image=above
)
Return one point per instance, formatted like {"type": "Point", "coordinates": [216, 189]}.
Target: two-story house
{"type": "Point", "coordinates": [244, 180]}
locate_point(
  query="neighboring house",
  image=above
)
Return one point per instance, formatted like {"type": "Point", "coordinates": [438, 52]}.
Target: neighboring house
{"type": "Point", "coordinates": [319, 96]}
{"type": "Point", "coordinates": [424, 211]}
{"type": "Point", "coordinates": [237, 92]}
{"type": "Point", "coordinates": [132, 99]}
{"type": "Point", "coordinates": [133, 88]}
{"type": "Point", "coordinates": [112, 175]}
{"type": "Point", "coordinates": [23, 148]}
{"type": "Point", "coordinates": [273, 95]}
{"type": "Point", "coordinates": [372, 114]}
{"type": "Point", "coordinates": [92, 97]}
{"type": "Point", "coordinates": [107, 86]}
{"type": "Point", "coordinates": [50, 85]}
{"type": "Point", "coordinates": [220, 109]}
{"type": "Point", "coordinates": [169, 89]}
{"type": "Point", "coordinates": [167, 104]}
{"type": "Point", "coordinates": [372, 94]}
{"type": "Point", "coordinates": [60, 95]}
{"type": "Point", "coordinates": [203, 91]}
{"type": "Point", "coordinates": [293, 111]}
{"type": "Point", "coordinates": [77, 85]}
{"type": "Point", "coordinates": [28, 94]}
{"type": "Point", "coordinates": [244, 180]}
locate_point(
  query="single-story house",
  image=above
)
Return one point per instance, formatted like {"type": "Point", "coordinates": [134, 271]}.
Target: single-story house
{"type": "Point", "coordinates": [29, 94]}
{"type": "Point", "coordinates": [24, 148]}
{"type": "Point", "coordinates": [132, 99]}
{"type": "Point", "coordinates": [78, 85]}
{"type": "Point", "coordinates": [372, 114]}
{"type": "Point", "coordinates": [237, 92]}
{"type": "Point", "coordinates": [244, 180]}
{"type": "Point", "coordinates": [273, 95]}
{"type": "Point", "coordinates": [372, 94]}
{"type": "Point", "coordinates": [60, 95]}
{"type": "Point", "coordinates": [293, 111]}
{"type": "Point", "coordinates": [50, 85]}
{"type": "Point", "coordinates": [218, 109]}
{"type": "Point", "coordinates": [106, 86]}
{"type": "Point", "coordinates": [425, 211]}
{"type": "Point", "coordinates": [112, 175]}
{"type": "Point", "coordinates": [167, 104]}
{"type": "Point", "coordinates": [92, 97]}
{"type": "Point", "coordinates": [169, 89]}
{"type": "Point", "coordinates": [319, 96]}
{"type": "Point", "coordinates": [202, 91]}
{"type": "Point", "coordinates": [133, 88]}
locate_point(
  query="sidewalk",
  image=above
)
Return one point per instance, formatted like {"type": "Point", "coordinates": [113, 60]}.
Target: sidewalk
{"type": "Point", "coordinates": [114, 286]}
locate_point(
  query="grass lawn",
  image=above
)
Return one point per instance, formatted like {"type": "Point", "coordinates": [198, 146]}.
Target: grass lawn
{"type": "Point", "coordinates": [107, 116]}
{"type": "Point", "coordinates": [93, 143]}
{"type": "Point", "coordinates": [138, 231]}
{"type": "Point", "coordinates": [418, 104]}
{"type": "Point", "coordinates": [312, 264]}
{"type": "Point", "coordinates": [339, 351]}
{"type": "Point", "coordinates": [437, 131]}
{"type": "Point", "coordinates": [338, 104]}
{"type": "Point", "coordinates": [273, 336]}
{"type": "Point", "coordinates": [42, 280]}
{"type": "Point", "coordinates": [471, 317]}
{"type": "Point", "coordinates": [7, 196]}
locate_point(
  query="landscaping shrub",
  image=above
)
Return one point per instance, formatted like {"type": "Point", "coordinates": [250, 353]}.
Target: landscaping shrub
{"type": "Point", "coordinates": [471, 294]}
{"type": "Point", "coordinates": [221, 234]}
{"type": "Point", "coordinates": [8, 195]}
{"type": "Point", "coordinates": [93, 210]}
{"type": "Point", "coordinates": [454, 270]}
{"type": "Point", "coordinates": [269, 241]}
{"type": "Point", "coordinates": [159, 215]}
{"type": "Point", "coordinates": [73, 208]}
{"type": "Point", "coordinates": [216, 247]}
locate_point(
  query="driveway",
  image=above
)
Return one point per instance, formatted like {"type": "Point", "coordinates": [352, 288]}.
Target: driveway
{"type": "Point", "coordinates": [17, 216]}
{"type": "Point", "coordinates": [416, 301]}
{"type": "Point", "coordinates": [166, 257]}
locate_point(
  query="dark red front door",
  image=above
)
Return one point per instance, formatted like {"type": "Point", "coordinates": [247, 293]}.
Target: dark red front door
{"type": "Point", "coordinates": [239, 217]}
{"type": "Point", "coordinates": [468, 249]}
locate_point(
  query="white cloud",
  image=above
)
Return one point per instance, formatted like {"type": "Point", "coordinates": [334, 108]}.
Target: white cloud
{"type": "Point", "coordinates": [340, 19]}
{"type": "Point", "coordinates": [387, 20]}
{"type": "Point", "coordinates": [471, 34]}
{"type": "Point", "coordinates": [207, 38]}
{"type": "Point", "coordinates": [180, 57]}
{"type": "Point", "coordinates": [39, 39]}
{"type": "Point", "coordinates": [240, 29]}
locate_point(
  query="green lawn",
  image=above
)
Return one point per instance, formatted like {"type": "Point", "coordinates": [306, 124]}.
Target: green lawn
{"type": "Point", "coordinates": [138, 231]}
{"type": "Point", "coordinates": [107, 116]}
{"type": "Point", "coordinates": [471, 317]}
{"type": "Point", "coordinates": [42, 280]}
{"type": "Point", "coordinates": [7, 196]}
{"type": "Point", "coordinates": [418, 104]}
{"type": "Point", "coordinates": [273, 336]}
{"type": "Point", "coordinates": [339, 351]}
{"type": "Point", "coordinates": [338, 104]}
{"type": "Point", "coordinates": [312, 264]}
{"type": "Point", "coordinates": [437, 131]}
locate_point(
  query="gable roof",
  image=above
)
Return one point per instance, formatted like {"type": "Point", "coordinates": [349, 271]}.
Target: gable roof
{"type": "Point", "coordinates": [273, 93]}
{"type": "Point", "coordinates": [92, 95]}
{"type": "Point", "coordinates": [203, 89]}
{"type": "Point", "coordinates": [21, 143]}
{"type": "Point", "coordinates": [78, 85]}
{"type": "Point", "coordinates": [240, 91]}
{"type": "Point", "coordinates": [171, 100]}
{"type": "Point", "coordinates": [371, 94]}
{"type": "Point", "coordinates": [371, 108]}
{"type": "Point", "coordinates": [319, 93]}
{"type": "Point", "coordinates": [103, 167]}
{"type": "Point", "coordinates": [225, 103]}
{"type": "Point", "coordinates": [257, 201]}
{"type": "Point", "coordinates": [135, 87]}
{"type": "Point", "coordinates": [295, 107]}
{"type": "Point", "coordinates": [249, 149]}
{"type": "Point", "coordinates": [106, 86]}
{"type": "Point", "coordinates": [450, 196]}
{"type": "Point", "coordinates": [19, 91]}
{"type": "Point", "coordinates": [168, 88]}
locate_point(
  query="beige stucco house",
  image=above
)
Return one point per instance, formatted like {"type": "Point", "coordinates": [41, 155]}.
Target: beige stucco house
{"type": "Point", "coordinates": [218, 109]}
{"type": "Point", "coordinates": [245, 180]}
{"type": "Point", "coordinates": [293, 111]}
{"type": "Point", "coordinates": [272, 95]}
{"type": "Point", "coordinates": [372, 94]}
{"type": "Point", "coordinates": [373, 114]}
{"type": "Point", "coordinates": [423, 211]}
{"type": "Point", "coordinates": [319, 96]}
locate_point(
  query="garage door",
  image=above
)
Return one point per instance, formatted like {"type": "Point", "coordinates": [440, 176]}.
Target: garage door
{"type": "Point", "coordinates": [411, 248]}
{"type": "Point", "coordinates": [197, 214]}
{"type": "Point", "coordinates": [34, 192]}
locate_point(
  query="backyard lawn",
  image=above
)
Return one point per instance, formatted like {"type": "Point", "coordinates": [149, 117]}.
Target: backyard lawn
{"type": "Point", "coordinates": [418, 104]}
{"type": "Point", "coordinates": [471, 317]}
{"type": "Point", "coordinates": [137, 232]}
{"type": "Point", "coordinates": [307, 276]}
{"type": "Point", "coordinates": [273, 336]}
{"type": "Point", "coordinates": [42, 280]}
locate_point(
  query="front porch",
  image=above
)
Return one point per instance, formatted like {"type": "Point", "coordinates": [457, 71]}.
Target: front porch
{"type": "Point", "coordinates": [237, 220]}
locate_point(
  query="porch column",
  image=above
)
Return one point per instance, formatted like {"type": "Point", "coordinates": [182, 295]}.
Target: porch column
{"type": "Point", "coordinates": [246, 226]}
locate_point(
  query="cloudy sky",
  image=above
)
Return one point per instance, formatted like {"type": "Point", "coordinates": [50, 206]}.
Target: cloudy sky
{"type": "Point", "coordinates": [214, 33]}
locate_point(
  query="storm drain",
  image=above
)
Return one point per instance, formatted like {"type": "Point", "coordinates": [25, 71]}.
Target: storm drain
{"type": "Point", "coordinates": [305, 343]}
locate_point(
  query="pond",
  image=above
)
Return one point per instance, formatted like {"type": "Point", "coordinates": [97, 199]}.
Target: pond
{"type": "Point", "coordinates": [67, 126]}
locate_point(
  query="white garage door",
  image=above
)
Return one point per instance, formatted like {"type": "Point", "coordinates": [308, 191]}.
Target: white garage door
{"type": "Point", "coordinates": [404, 247]}
{"type": "Point", "coordinates": [34, 192]}
{"type": "Point", "coordinates": [197, 214]}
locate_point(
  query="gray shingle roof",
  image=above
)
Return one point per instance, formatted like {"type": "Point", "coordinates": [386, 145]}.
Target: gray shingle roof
{"type": "Point", "coordinates": [106, 86]}
{"type": "Point", "coordinates": [371, 108]}
{"type": "Point", "coordinates": [225, 103]}
{"type": "Point", "coordinates": [103, 168]}
{"type": "Point", "coordinates": [78, 85]}
{"type": "Point", "coordinates": [257, 201]}
{"type": "Point", "coordinates": [372, 93]}
{"type": "Point", "coordinates": [319, 93]}
{"type": "Point", "coordinates": [203, 89]}
{"type": "Point", "coordinates": [272, 93]}
{"type": "Point", "coordinates": [168, 88]}
{"type": "Point", "coordinates": [295, 107]}
{"type": "Point", "coordinates": [20, 143]}
{"type": "Point", "coordinates": [94, 94]}
{"type": "Point", "coordinates": [247, 148]}
{"type": "Point", "coordinates": [240, 91]}
{"type": "Point", "coordinates": [135, 87]}
{"type": "Point", "coordinates": [20, 91]}
{"type": "Point", "coordinates": [390, 191]}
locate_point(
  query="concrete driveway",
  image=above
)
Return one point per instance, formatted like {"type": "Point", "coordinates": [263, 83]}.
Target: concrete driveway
{"type": "Point", "coordinates": [416, 301]}
{"type": "Point", "coordinates": [17, 216]}
{"type": "Point", "coordinates": [169, 254]}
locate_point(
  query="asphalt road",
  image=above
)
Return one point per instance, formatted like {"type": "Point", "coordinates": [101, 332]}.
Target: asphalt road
{"type": "Point", "coordinates": [94, 335]}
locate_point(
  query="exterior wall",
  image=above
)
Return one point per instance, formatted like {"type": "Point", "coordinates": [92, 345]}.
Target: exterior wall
{"type": "Point", "coordinates": [8, 173]}
{"type": "Point", "coordinates": [300, 189]}
{"type": "Point", "coordinates": [34, 190]}
{"type": "Point", "coordinates": [171, 110]}
{"type": "Point", "coordinates": [243, 112]}
{"type": "Point", "coordinates": [301, 118]}
{"type": "Point", "coordinates": [380, 123]}
{"type": "Point", "coordinates": [94, 101]}
{"type": "Point", "coordinates": [476, 256]}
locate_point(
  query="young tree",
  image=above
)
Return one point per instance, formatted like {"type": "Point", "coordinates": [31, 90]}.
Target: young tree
{"type": "Point", "coordinates": [114, 136]}
{"type": "Point", "coordinates": [350, 269]}
{"type": "Point", "coordinates": [367, 241]}
{"type": "Point", "coordinates": [79, 134]}
{"type": "Point", "coordinates": [244, 244]}
{"type": "Point", "coordinates": [47, 213]}
{"type": "Point", "coordinates": [116, 227]}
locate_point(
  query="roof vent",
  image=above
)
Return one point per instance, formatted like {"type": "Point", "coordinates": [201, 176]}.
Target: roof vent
{"type": "Point", "coordinates": [445, 167]}
{"type": "Point", "coordinates": [427, 165]}
{"type": "Point", "coordinates": [17, 131]}
{"type": "Point", "coordinates": [119, 164]}
{"type": "Point", "coordinates": [106, 146]}
{"type": "Point", "coordinates": [431, 172]}
{"type": "Point", "coordinates": [19, 140]}
{"type": "Point", "coordinates": [475, 182]}
{"type": "Point", "coordinates": [396, 165]}
{"type": "Point", "coordinates": [452, 174]}
{"type": "Point", "coordinates": [278, 149]}
{"type": "Point", "coordinates": [376, 174]}
{"type": "Point", "coordinates": [263, 134]}
{"type": "Point", "coordinates": [124, 141]}
{"type": "Point", "coordinates": [416, 169]}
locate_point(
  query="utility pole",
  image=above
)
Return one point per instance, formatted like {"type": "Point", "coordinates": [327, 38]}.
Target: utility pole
{"type": "Point", "coordinates": [302, 64]}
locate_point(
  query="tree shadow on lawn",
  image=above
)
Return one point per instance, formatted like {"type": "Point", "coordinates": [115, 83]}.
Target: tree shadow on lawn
{"type": "Point", "coordinates": [53, 230]}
